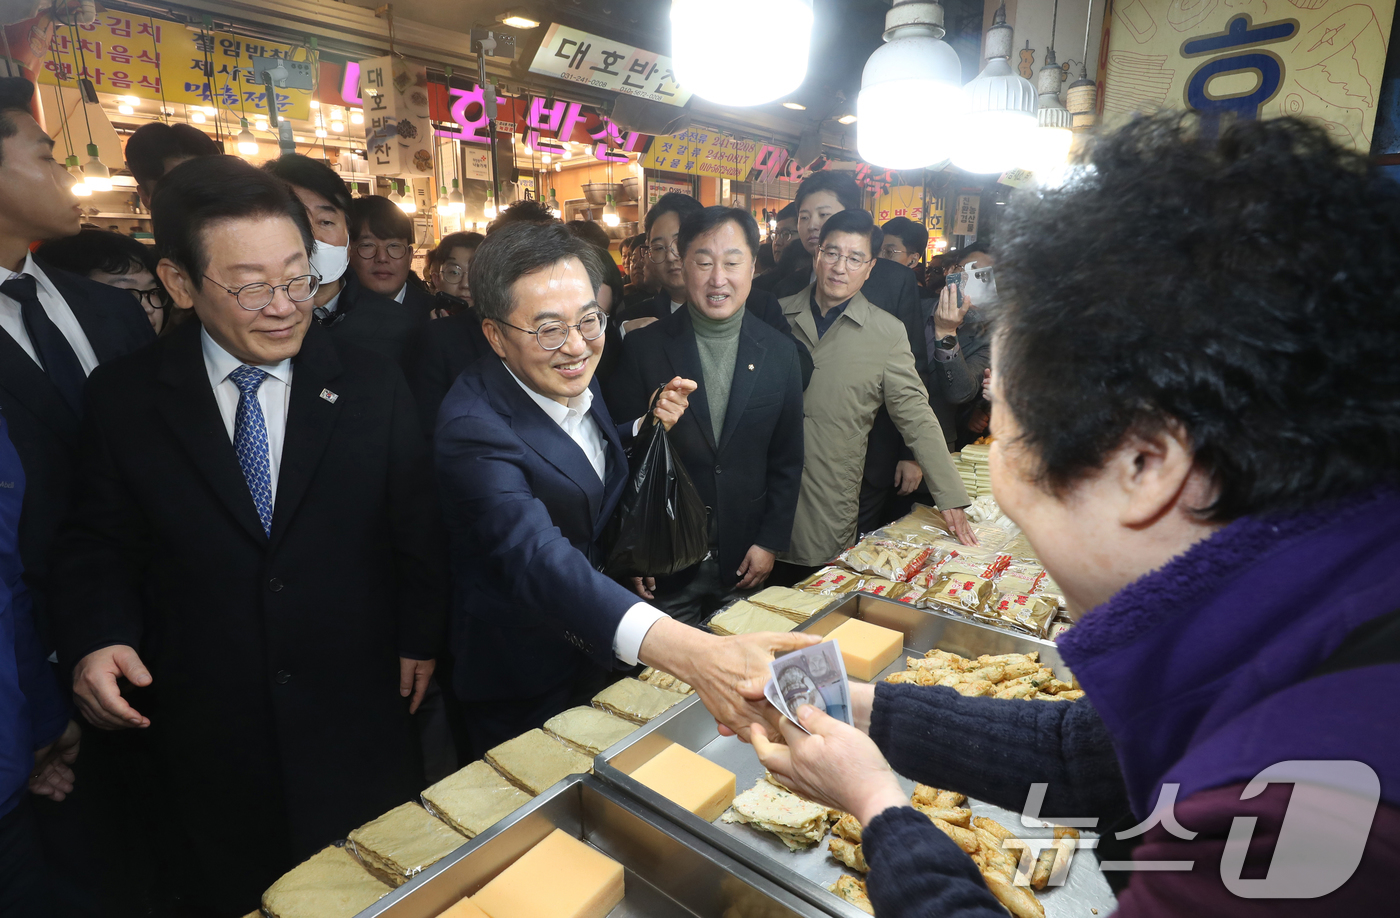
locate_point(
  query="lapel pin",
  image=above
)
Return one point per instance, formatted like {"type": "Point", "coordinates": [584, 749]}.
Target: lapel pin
{"type": "Point", "coordinates": [330, 396]}
{"type": "Point", "coordinates": [750, 366]}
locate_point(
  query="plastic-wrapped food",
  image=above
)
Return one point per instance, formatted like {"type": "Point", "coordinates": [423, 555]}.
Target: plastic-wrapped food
{"type": "Point", "coordinates": [833, 580]}
{"type": "Point", "coordinates": [921, 526]}
{"type": "Point", "coordinates": [1028, 613]}
{"type": "Point", "coordinates": [886, 558]}
{"type": "Point", "coordinates": [960, 592]}
{"type": "Point", "coordinates": [878, 586]}
{"type": "Point", "coordinates": [1020, 577]}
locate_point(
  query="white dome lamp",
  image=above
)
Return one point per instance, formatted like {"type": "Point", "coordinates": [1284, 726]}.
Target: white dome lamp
{"type": "Point", "coordinates": [914, 63]}
{"type": "Point", "coordinates": [1000, 123]}
{"type": "Point", "coordinates": [1053, 136]}
{"type": "Point", "coordinates": [716, 61]}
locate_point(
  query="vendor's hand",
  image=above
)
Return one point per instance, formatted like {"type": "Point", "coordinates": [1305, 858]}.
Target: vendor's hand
{"type": "Point", "coordinates": [632, 325]}
{"type": "Point", "coordinates": [95, 687]}
{"type": "Point", "coordinates": [644, 587]}
{"type": "Point", "coordinates": [413, 679]}
{"type": "Point", "coordinates": [53, 765]}
{"type": "Point", "coordinates": [948, 318]}
{"type": "Point", "coordinates": [755, 568]}
{"type": "Point", "coordinates": [907, 476]}
{"type": "Point", "coordinates": [728, 673]}
{"type": "Point", "coordinates": [835, 765]}
{"type": "Point", "coordinates": [962, 529]}
{"type": "Point", "coordinates": [675, 398]}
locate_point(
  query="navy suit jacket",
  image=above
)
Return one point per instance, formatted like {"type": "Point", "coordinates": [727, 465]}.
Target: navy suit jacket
{"type": "Point", "coordinates": [525, 511]}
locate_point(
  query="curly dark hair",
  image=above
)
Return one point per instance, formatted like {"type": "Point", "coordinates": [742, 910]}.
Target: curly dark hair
{"type": "Point", "coordinates": [1245, 288]}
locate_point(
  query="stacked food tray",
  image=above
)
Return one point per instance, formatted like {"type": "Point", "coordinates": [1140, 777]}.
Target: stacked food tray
{"type": "Point", "coordinates": [669, 873]}
{"type": "Point", "coordinates": [810, 872]}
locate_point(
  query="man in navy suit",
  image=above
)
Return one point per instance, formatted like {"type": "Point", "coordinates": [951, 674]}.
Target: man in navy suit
{"type": "Point", "coordinates": [530, 467]}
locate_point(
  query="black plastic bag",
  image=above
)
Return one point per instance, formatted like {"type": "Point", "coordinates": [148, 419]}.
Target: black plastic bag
{"type": "Point", "coordinates": [661, 525]}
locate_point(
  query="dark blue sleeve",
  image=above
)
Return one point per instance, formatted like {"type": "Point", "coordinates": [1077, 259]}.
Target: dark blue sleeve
{"type": "Point", "coordinates": [489, 503]}
{"type": "Point", "coordinates": [994, 749]}
{"type": "Point", "coordinates": [916, 870]}
{"type": "Point", "coordinates": [48, 708]}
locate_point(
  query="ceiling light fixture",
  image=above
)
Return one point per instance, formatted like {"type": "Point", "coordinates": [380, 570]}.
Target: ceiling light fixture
{"type": "Point", "coordinates": [456, 200]}
{"type": "Point", "coordinates": [846, 119]}
{"type": "Point", "coordinates": [79, 186]}
{"type": "Point", "coordinates": [716, 60]}
{"type": "Point", "coordinates": [1000, 124]}
{"type": "Point", "coordinates": [518, 19]}
{"type": "Point", "coordinates": [443, 206]}
{"type": "Point", "coordinates": [260, 124]}
{"type": "Point", "coordinates": [488, 210]}
{"type": "Point", "coordinates": [95, 175]}
{"type": "Point", "coordinates": [795, 106]}
{"type": "Point", "coordinates": [125, 109]}
{"type": "Point", "coordinates": [913, 63]}
{"type": "Point", "coordinates": [357, 117]}
{"type": "Point", "coordinates": [247, 143]}
{"type": "Point", "coordinates": [610, 217]}
{"type": "Point", "coordinates": [197, 117]}
{"type": "Point", "coordinates": [408, 203]}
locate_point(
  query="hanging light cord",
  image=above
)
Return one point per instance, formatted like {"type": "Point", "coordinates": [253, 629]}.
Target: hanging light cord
{"type": "Point", "coordinates": [58, 89]}
{"type": "Point", "coordinates": [77, 44]}
{"type": "Point", "coordinates": [1088, 23]}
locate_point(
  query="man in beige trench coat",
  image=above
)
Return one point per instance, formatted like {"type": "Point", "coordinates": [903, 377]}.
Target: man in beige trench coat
{"type": "Point", "coordinates": [861, 360]}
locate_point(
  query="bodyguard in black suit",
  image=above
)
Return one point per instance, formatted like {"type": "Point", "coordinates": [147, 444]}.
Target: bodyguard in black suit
{"type": "Point", "coordinates": [254, 546]}
{"type": "Point", "coordinates": [353, 313]}
{"type": "Point", "coordinates": [55, 328]}
{"type": "Point", "coordinates": [889, 464]}
{"type": "Point", "coordinates": [745, 455]}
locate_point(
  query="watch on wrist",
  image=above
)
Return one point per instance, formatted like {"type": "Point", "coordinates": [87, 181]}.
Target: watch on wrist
{"type": "Point", "coordinates": [948, 343]}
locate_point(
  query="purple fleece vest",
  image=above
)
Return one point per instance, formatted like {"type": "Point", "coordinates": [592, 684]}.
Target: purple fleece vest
{"type": "Point", "coordinates": [1199, 668]}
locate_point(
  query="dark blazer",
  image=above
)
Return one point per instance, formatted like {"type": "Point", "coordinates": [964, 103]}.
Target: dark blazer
{"type": "Point", "coordinates": [275, 708]}
{"type": "Point", "coordinates": [525, 510]}
{"type": "Point", "coordinates": [895, 289]}
{"type": "Point", "coordinates": [419, 299]}
{"type": "Point", "coordinates": [750, 478]}
{"type": "Point", "coordinates": [368, 320]}
{"type": "Point", "coordinates": [44, 429]}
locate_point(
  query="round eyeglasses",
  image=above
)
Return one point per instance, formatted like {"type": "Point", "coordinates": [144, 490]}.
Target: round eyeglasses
{"type": "Point", "coordinates": [853, 261]}
{"type": "Point", "coordinates": [658, 251]}
{"type": "Point", "coordinates": [394, 250]}
{"type": "Point", "coordinates": [552, 335]}
{"type": "Point", "coordinates": [154, 298]}
{"type": "Point", "coordinates": [253, 297]}
{"type": "Point", "coordinates": [453, 272]}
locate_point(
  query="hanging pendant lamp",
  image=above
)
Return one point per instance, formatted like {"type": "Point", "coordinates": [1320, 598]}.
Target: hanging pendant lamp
{"type": "Point", "coordinates": [718, 47]}
{"type": "Point", "coordinates": [1000, 123]}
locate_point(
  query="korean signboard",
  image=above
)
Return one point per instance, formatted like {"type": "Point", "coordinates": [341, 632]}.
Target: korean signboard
{"type": "Point", "coordinates": [900, 201]}
{"type": "Point", "coordinates": [131, 56]}
{"type": "Point", "coordinates": [965, 217]}
{"type": "Point", "coordinates": [702, 152]}
{"type": "Point", "coordinates": [398, 133]}
{"type": "Point", "coordinates": [581, 57]}
{"type": "Point", "coordinates": [545, 124]}
{"type": "Point", "coordinates": [1311, 59]}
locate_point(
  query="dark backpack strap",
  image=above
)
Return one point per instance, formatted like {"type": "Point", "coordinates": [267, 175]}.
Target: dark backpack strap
{"type": "Point", "coordinates": [1373, 644]}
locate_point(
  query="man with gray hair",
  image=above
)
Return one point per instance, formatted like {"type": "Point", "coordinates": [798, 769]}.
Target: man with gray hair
{"type": "Point", "coordinates": [531, 467]}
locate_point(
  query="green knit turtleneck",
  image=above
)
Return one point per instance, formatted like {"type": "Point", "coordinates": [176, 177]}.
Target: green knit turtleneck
{"type": "Point", "coordinates": [718, 343]}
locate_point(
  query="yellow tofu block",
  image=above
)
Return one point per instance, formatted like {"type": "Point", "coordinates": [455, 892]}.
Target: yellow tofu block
{"type": "Point", "coordinates": [866, 648]}
{"type": "Point", "coordinates": [561, 877]}
{"type": "Point", "coordinates": [689, 780]}
{"type": "Point", "coordinates": [465, 908]}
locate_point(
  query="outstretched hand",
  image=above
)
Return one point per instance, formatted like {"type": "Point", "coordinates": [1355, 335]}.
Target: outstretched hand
{"type": "Point", "coordinates": [675, 398]}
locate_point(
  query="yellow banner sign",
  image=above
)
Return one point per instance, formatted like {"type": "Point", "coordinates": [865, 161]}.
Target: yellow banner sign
{"type": "Point", "coordinates": [1316, 59]}
{"type": "Point", "coordinates": [701, 152]}
{"type": "Point", "coordinates": [136, 56]}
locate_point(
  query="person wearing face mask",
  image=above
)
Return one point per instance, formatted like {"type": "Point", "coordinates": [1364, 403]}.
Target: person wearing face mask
{"type": "Point", "coordinates": [863, 364]}
{"type": "Point", "coordinates": [890, 469]}
{"type": "Point", "coordinates": [741, 440]}
{"type": "Point", "coordinates": [347, 308]}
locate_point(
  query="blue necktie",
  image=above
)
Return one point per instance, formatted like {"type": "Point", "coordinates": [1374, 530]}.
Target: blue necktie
{"type": "Point", "coordinates": [55, 354]}
{"type": "Point", "coordinates": [250, 442]}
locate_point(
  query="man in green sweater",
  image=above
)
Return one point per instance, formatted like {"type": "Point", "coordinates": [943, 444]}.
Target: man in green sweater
{"type": "Point", "coordinates": [741, 439]}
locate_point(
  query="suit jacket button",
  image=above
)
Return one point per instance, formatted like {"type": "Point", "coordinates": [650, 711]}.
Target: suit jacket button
{"type": "Point", "coordinates": [275, 584]}
{"type": "Point", "coordinates": [718, 470]}
{"type": "Point", "coordinates": [282, 677]}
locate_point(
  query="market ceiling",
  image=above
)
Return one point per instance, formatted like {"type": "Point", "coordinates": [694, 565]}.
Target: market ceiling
{"type": "Point", "coordinates": [845, 33]}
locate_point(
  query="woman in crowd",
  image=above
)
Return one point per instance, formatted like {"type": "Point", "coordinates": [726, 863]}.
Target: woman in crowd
{"type": "Point", "coordinates": [118, 261]}
{"type": "Point", "coordinates": [1197, 408]}
{"type": "Point", "coordinates": [451, 259]}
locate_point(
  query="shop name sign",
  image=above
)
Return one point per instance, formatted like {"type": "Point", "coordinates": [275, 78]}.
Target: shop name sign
{"type": "Point", "coordinates": [1317, 60]}
{"type": "Point", "coordinates": [582, 57]}
{"type": "Point", "coordinates": [547, 124]}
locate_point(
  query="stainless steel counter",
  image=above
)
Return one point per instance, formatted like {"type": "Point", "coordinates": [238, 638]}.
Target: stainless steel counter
{"type": "Point", "coordinates": [807, 873]}
{"type": "Point", "coordinates": [669, 872]}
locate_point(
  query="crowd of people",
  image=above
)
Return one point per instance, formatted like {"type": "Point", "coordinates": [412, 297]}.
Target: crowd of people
{"type": "Point", "coordinates": [294, 532]}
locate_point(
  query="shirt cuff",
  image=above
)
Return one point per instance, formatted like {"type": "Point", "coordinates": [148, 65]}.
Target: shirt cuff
{"type": "Point", "coordinates": [637, 425]}
{"type": "Point", "coordinates": [632, 630]}
{"type": "Point", "coordinates": [943, 355]}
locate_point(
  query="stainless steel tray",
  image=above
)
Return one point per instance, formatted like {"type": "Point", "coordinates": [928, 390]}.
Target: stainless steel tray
{"type": "Point", "coordinates": [669, 872]}
{"type": "Point", "coordinates": [808, 873]}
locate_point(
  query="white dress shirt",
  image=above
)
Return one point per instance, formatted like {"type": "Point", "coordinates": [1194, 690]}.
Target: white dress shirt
{"type": "Point", "coordinates": [403, 291]}
{"type": "Point", "coordinates": [274, 397]}
{"type": "Point", "coordinates": [583, 429]}
{"type": "Point", "coordinates": [12, 321]}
